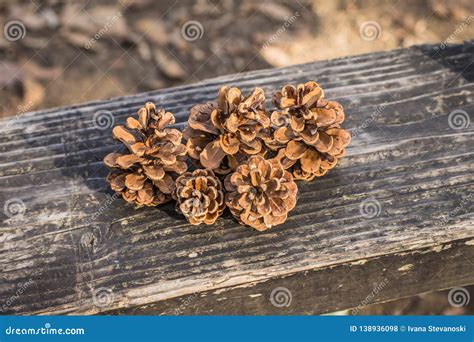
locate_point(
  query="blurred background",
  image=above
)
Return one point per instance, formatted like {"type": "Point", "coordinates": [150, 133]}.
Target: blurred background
{"type": "Point", "coordinates": [58, 52]}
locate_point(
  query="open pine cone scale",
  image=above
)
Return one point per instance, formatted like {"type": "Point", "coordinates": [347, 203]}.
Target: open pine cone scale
{"type": "Point", "coordinates": [223, 133]}
{"type": "Point", "coordinates": [260, 193]}
{"type": "Point", "coordinates": [259, 153]}
{"type": "Point", "coordinates": [147, 174]}
{"type": "Point", "coordinates": [308, 137]}
{"type": "Point", "coordinates": [199, 196]}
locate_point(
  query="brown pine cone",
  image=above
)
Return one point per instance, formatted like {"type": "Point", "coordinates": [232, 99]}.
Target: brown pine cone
{"type": "Point", "coordinates": [223, 134]}
{"type": "Point", "coordinates": [260, 193]}
{"type": "Point", "coordinates": [199, 196]}
{"type": "Point", "coordinates": [156, 157]}
{"type": "Point", "coordinates": [308, 136]}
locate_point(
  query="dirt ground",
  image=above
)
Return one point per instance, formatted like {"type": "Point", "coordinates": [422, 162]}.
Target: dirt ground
{"type": "Point", "coordinates": [58, 52]}
{"type": "Point", "coordinates": [74, 51]}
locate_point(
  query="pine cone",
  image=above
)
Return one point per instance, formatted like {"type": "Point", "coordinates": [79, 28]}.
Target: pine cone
{"type": "Point", "coordinates": [260, 193]}
{"type": "Point", "coordinates": [199, 196]}
{"type": "Point", "coordinates": [221, 135]}
{"type": "Point", "coordinates": [157, 156]}
{"type": "Point", "coordinates": [308, 136]}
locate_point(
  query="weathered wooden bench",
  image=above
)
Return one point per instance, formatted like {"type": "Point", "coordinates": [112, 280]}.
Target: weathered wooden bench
{"type": "Point", "coordinates": [393, 219]}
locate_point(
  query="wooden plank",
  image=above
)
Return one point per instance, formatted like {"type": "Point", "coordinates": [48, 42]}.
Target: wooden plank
{"type": "Point", "coordinates": [341, 286]}
{"type": "Point", "coordinates": [75, 241]}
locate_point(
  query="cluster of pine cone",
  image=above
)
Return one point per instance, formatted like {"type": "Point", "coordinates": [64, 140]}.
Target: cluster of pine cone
{"type": "Point", "coordinates": [244, 157]}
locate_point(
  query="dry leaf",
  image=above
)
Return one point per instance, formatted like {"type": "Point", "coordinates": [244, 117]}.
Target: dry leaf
{"type": "Point", "coordinates": [275, 11]}
{"type": "Point", "coordinates": [170, 67]}
{"type": "Point", "coordinates": [34, 94]}
{"type": "Point", "coordinates": [154, 29]}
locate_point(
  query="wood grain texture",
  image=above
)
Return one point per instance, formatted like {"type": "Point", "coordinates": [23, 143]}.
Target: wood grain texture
{"type": "Point", "coordinates": [75, 240]}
